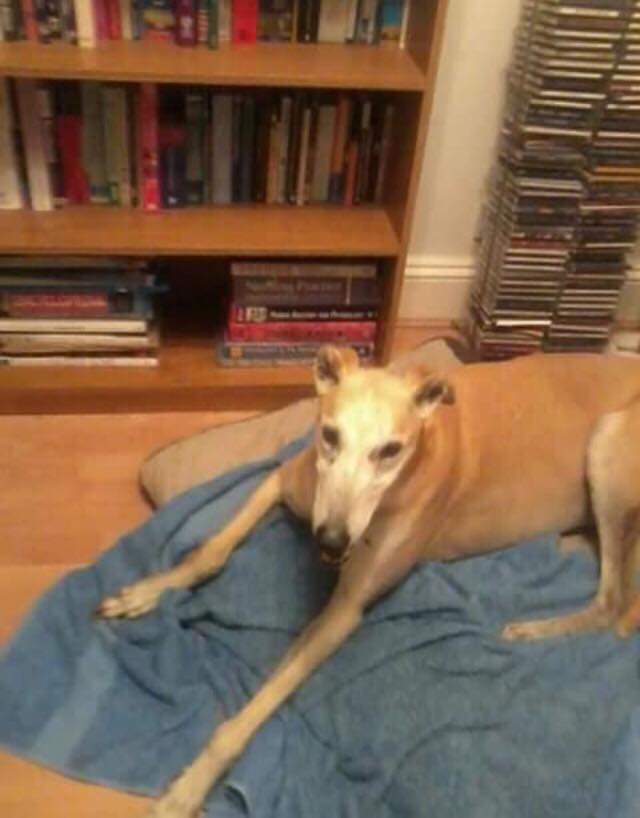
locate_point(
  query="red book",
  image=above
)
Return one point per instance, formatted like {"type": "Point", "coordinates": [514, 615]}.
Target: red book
{"type": "Point", "coordinates": [29, 20]}
{"type": "Point", "coordinates": [114, 23]}
{"type": "Point", "coordinates": [75, 187]}
{"type": "Point", "coordinates": [25, 305]}
{"type": "Point", "coordinates": [147, 146]}
{"type": "Point", "coordinates": [303, 331]}
{"type": "Point", "coordinates": [186, 22]}
{"type": "Point", "coordinates": [101, 18]}
{"type": "Point", "coordinates": [244, 21]}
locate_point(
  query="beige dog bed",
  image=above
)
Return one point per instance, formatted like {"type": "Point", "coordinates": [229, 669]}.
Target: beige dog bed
{"type": "Point", "coordinates": [203, 456]}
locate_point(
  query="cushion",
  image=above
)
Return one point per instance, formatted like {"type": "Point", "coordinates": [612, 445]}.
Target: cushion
{"type": "Point", "coordinates": [203, 456]}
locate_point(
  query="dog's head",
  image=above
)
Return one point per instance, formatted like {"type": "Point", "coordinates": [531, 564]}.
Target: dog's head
{"type": "Point", "coordinates": [369, 426]}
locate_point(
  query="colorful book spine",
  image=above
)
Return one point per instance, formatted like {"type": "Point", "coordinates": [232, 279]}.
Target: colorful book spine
{"type": "Point", "coordinates": [303, 331]}
{"type": "Point", "coordinates": [11, 190]}
{"type": "Point", "coordinates": [186, 22]}
{"type": "Point", "coordinates": [69, 137]}
{"type": "Point", "coordinates": [147, 146]}
{"type": "Point", "coordinates": [244, 21]}
{"type": "Point", "coordinates": [101, 16]}
{"type": "Point", "coordinates": [29, 19]}
{"type": "Point", "coordinates": [33, 138]}
{"type": "Point", "coordinates": [240, 314]}
{"type": "Point", "coordinates": [263, 354]}
{"type": "Point", "coordinates": [316, 291]}
{"type": "Point", "coordinates": [158, 20]}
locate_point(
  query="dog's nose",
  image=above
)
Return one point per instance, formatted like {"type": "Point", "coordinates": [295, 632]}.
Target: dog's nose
{"type": "Point", "coordinates": [334, 540]}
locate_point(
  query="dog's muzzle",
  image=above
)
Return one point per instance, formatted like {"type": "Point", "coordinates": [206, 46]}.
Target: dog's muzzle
{"type": "Point", "coordinates": [335, 545]}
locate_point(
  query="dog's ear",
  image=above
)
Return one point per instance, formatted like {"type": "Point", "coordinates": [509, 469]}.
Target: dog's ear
{"type": "Point", "coordinates": [430, 390]}
{"type": "Point", "coordinates": [332, 363]}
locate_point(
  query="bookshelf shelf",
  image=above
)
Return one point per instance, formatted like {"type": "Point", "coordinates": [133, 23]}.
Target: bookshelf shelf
{"type": "Point", "coordinates": [263, 65]}
{"type": "Point", "coordinates": [213, 231]}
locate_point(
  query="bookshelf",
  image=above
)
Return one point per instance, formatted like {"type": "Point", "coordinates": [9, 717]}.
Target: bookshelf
{"type": "Point", "coordinates": [187, 376]}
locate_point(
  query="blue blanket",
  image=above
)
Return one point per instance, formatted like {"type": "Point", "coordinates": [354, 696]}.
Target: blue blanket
{"type": "Point", "coordinates": [424, 712]}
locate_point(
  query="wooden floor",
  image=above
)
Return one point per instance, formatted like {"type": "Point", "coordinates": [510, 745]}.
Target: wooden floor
{"type": "Point", "coordinates": [68, 488]}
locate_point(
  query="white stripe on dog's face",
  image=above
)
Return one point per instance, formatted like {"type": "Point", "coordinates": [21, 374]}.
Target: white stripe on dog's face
{"type": "Point", "coordinates": [368, 429]}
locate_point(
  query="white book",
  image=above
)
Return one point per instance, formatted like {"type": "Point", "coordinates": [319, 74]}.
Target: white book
{"type": "Point", "coordinates": [322, 158]}
{"type": "Point", "coordinates": [334, 18]}
{"type": "Point", "coordinates": [11, 191]}
{"type": "Point", "coordinates": [224, 21]}
{"type": "Point", "coordinates": [125, 19]}
{"type": "Point", "coordinates": [20, 343]}
{"type": "Point", "coordinates": [115, 326]}
{"type": "Point", "coordinates": [70, 360]}
{"type": "Point", "coordinates": [34, 143]}
{"type": "Point", "coordinates": [351, 24]}
{"type": "Point", "coordinates": [222, 148]}
{"type": "Point", "coordinates": [85, 24]}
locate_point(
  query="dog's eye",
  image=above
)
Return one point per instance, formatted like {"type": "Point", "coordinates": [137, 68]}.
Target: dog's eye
{"type": "Point", "coordinates": [390, 450]}
{"type": "Point", "coordinates": [330, 436]}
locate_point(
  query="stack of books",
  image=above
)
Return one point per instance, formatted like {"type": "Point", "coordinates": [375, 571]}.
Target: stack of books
{"type": "Point", "coordinates": [77, 312]}
{"type": "Point", "coordinates": [565, 197]}
{"type": "Point", "coordinates": [281, 313]}
{"type": "Point", "coordinates": [171, 146]}
{"type": "Point", "coordinates": [204, 22]}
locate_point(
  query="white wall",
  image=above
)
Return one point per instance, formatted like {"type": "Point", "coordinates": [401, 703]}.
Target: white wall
{"type": "Point", "coordinates": [460, 151]}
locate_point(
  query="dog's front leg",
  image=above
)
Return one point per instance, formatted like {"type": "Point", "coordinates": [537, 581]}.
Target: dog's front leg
{"type": "Point", "coordinates": [207, 559]}
{"type": "Point", "coordinates": [332, 627]}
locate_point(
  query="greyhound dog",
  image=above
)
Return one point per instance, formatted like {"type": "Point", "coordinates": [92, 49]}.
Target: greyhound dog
{"type": "Point", "coordinates": [408, 467]}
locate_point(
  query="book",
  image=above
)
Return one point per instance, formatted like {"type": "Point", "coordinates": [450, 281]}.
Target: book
{"type": "Point", "coordinates": [158, 20]}
{"type": "Point", "coordinates": [29, 20]}
{"type": "Point", "coordinates": [10, 20]}
{"type": "Point", "coordinates": [302, 331]}
{"type": "Point", "coordinates": [126, 19]}
{"type": "Point", "coordinates": [33, 137]}
{"type": "Point", "coordinates": [224, 21]}
{"type": "Point", "coordinates": [21, 343]}
{"type": "Point", "coordinates": [247, 142]}
{"type": "Point", "coordinates": [124, 326]}
{"type": "Point", "coordinates": [275, 20]}
{"type": "Point", "coordinates": [94, 155]}
{"type": "Point", "coordinates": [172, 146]}
{"type": "Point", "coordinates": [241, 314]}
{"type": "Point", "coordinates": [283, 354]}
{"type": "Point", "coordinates": [333, 21]}
{"type": "Point", "coordinates": [221, 148]}
{"type": "Point", "coordinates": [147, 148]}
{"type": "Point", "coordinates": [68, 106]}
{"type": "Point", "coordinates": [244, 21]}
{"type": "Point", "coordinates": [391, 15]}
{"type": "Point", "coordinates": [117, 144]}
{"type": "Point", "coordinates": [11, 187]}
{"type": "Point", "coordinates": [186, 32]}
{"type": "Point", "coordinates": [196, 128]}
{"type": "Point", "coordinates": [338, 149]}
{"type": "Point", "coordinates": [72, 304]}
{"type": "Point", "coordinates": [308, 20]}
{"type": "Point", "coordinates": [323, 152]}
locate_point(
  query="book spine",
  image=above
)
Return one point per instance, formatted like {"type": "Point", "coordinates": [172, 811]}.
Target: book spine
{"type": "Point", "coordinates": [11, 190]}
{"type": "Point", "coordinates": [404, 24]}
{"type": "Point", "coordinates": [286, 114]}
{"type": "Point", "coordinates": [273, 153]}
{"type": "Point", "coordinates": [241, 314]}
{"type": "Point", "coordinates": [68, 22]}
{"type": "Point", "coordinates": [351, 20]}
{"type": "Point", "coordinates": [303, 154]}
{"type": "Point", "coordinates": [196, 121]}
{"type": "Point", "coordinates": [213, 33]}
{"type": "Point", "coordinates": [118, 140]}
{"type": "Point", "coordinates": [101, 16]}
{"type": "Point", "coordinates": [172, 145]}
{"type": "Point", "coordinates": [202, 22]}
{"type": "Point", "coordinates": [63, 303]}
{"type": "Point", "coordinates": [275, 354]}
{"type": "Point", "coordinates": [275, 21]}
{"type": "Point", "coordinates": [322, 156]}
{"type": "Point", "coordinates": [308, 21]}
{"type": "Point", "coordinates": [332, 27]}
{"type": "Point", "coordinates": [73, 360]}
{"type": "Point", "coordinates": [42, 20]}
{"type": "Point", "coordinates": [114, 20]}
{"type": "Point", "coordinates": [247, 139]}
{"type": "Point", "coordinates": [221, 133]}
{"type": "Point", "coordinates": [120, 326]}
{"type": "Point", "coordinates": [47, 117]}
{"type": "Point", "coordinates": [93, 142]}
{"type": "Point", "coordinates": [85, 23]}
{"type": "Point", "coordinates": [364, 153]}
{"type": "Point", "coordinates": [317, 291]}
{"type": "Point", "coordinates": [338, 149]}
{"type": "Point", "coordinates": [224, 21]}
{"type": "Point", "coordinates": [261, 151]}
{"type": "Point", "coordinates": [294, 147]}
{"type": "Point", "coordinates": [69, 138]}
{"type": "Point", "coordinates": [186, 22]}
{"type": "Point", "coordinates": [301, 331]}
{"type": "Point", "coordinates": [244, 21]}
{"type": "Point", "coordinates": [385, 152]}
{"type": "Point", "coordinates": [29, 21]}
{"type": "Point", "coordinates": [158, 20]}
{"type": "Point", "coordinates": [39, 180]}
{"type": "Point", "coordinates": [126, 19]}
{"type": "Point", "coordinates": [236, 147]}
{"type": "Point", "coordinates": [9, 20]}
{"type": "Point", "coordinates": [147, 147]}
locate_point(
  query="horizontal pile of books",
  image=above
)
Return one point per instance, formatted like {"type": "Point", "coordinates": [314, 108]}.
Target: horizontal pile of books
{"type": "Point", "coordinates": [566, 196]}
{"type": "Point", "coordinates": [77, 312]}
{"type": "Point", "coordinates": [204, 22]}
{"type": "Point", "coordinates": [167, 146]}
{"type": "Point", "coordinates": [281, 313]}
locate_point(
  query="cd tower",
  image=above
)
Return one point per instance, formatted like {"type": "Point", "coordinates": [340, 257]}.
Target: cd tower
{"type": "Point", "coordinates": [564, 196]}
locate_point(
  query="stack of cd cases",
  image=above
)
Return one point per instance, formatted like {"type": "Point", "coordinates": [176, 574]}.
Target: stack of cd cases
{"type": "Point", "coordinates": [565, 195]}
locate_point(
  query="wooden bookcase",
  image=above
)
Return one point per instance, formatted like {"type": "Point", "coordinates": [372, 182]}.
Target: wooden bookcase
{"type": "Point", "coordinates": [187, 376]}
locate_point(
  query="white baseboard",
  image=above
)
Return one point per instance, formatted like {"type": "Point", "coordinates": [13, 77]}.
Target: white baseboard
{"type": "Point", "coordinates": [437, 289]}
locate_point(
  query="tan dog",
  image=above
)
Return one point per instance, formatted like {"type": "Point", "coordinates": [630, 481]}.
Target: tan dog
{"type": "Point", "coordinates": [406, 468]}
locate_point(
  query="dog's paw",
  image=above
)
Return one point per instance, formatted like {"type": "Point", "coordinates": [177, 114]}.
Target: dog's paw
{"type": "Point", "coordinates": [516, 631]}
{"type": "Point", "coordinates": [132, 600]}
